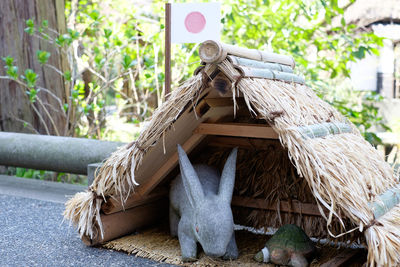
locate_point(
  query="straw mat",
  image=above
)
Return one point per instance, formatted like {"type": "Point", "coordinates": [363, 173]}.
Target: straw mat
{"type": "Point", "coordinates": [158, 245]}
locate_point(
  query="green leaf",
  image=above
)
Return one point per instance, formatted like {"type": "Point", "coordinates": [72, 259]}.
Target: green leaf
{"type": "Point", "coordinates": [65, 107]}
{"type": "Point", "coordinates": [73, 34]}
{"type": "Point", "coordinates": [32, 93]}
{"type": "Point", "coordinates": [8, 60]}
{"type": "Point", "coordinates": [45, 23]}
{"type": "Point", "coordinates": [42, 56]}
{"type": "Point", "coordinates": [12, 72]}
{"type": "Point", "coordinates": [20, 172]}
{"type": "Point", "coordinates": [343, 22]}
{"type": "Point", "coordinates": [29, 30]}
{"type": "Point", "coordinates": [75, 94]}
{"type": "Point", "coordinates": [95, 15]}
{"type": "Point", "coordinates": [60, 40]}
{"type": "Point", "coordinates": [360, 53]}
{"type": "Point", "coordinates": [30, 78]}
{"type": "Point", "coordinates": [67, 75]}
{"type": "Point", "coordinates": [128, 62]}
{"type": "Point", "coordinates": [63, 39]}
{"type": "Point", "coordinates": [30, 23]}
{"type": "Point", "coordinates": [100, 60]}
{"type": "Point", "coordinates": [107, 33]}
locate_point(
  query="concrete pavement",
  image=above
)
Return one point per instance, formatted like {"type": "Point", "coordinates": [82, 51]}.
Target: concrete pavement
{"type": "Point", "coordinates": [32, 232]}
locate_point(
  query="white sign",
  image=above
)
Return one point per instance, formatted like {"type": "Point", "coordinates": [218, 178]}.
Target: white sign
{"type": "Point", "coordinates": [195, 22]}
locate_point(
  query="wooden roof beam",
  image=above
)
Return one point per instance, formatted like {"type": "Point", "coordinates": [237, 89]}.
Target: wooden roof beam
{"type": "Point", "coordinates": [168, 166]}
{"type": "Point", "coordinates": [237, 130]}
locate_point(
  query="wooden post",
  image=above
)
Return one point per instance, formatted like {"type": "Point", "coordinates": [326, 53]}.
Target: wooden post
{"type": "Point", "coordinates": [167, 49]}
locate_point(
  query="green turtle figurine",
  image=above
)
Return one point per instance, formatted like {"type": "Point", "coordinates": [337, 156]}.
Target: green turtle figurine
{"type": "Point", "coordinates": [288, 246]}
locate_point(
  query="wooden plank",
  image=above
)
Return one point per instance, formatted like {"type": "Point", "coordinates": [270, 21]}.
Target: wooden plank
{"type": "Point", "coordinates": [225, 101]}
{"type": "Point", "coordinates": [181, 131]}
{"type": "Point", "coordinates": [171, 163]}
{"type": "Point", "coordinates": [242, 142]}
{"type": "Point", "coordinates": [284, 206]}
{"type": "Point", "coordinates": [125, 222]}
{"type": "Point", "coordinates": [219, 101]}
{"type": "Point", "coordinates": [114, 205]}
{"type": "Point", "coordinates": [344, 258]}
{"type": "Point", "coordinates": [238, 130]}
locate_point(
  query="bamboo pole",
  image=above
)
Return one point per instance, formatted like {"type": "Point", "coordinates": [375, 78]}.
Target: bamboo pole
{"type": "Point", "coordinates": [125, 222]}
{"type": "Point", "coordinates": [215, 52]}
{"type": "Point", "coordinates": [385, 202]}
{"type": "Point", "coordinates": [269, 74]}
{"type": "Point", "coordinates": [222, 84]}
{"type": "Point", "coordinates": [239, 61]}
{"type": "Point", "coordinates": [324, 129]}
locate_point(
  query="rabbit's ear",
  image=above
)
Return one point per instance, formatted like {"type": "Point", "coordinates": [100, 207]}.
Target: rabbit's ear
{"type": "Point", "coordinates": [227, 182]}
{"type": "Point", "coordinates": [191, 182]}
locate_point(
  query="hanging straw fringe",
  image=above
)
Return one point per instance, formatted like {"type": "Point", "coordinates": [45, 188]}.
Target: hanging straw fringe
{"type": "Point", "coordinates": [383, 239]}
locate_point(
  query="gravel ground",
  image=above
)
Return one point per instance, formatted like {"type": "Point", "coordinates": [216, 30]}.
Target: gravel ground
{"type": "Point", "coordinates": [32, 234]}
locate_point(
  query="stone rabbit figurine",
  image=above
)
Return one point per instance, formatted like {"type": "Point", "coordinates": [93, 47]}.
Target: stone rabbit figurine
{"type": "Point", "coordinates": [200, 208]}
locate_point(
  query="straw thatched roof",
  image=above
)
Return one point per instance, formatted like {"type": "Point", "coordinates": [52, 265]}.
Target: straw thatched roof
{"type": "Point", "coordinates": [365, 12]}
{"type": "Point", "coordinates": [344, 172]}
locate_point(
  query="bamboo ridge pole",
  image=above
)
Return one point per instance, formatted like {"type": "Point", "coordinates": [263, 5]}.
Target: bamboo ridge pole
{"type": "Point", "coordinates": [215, 52]}
{"type": "Point", "coordinates": [239, 61]}
{"type": "Point", "coordinates": [270, 74]}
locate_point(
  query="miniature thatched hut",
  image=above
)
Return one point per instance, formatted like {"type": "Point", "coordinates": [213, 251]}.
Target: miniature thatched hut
{"type": "Point", "coordinates": [300, 161]}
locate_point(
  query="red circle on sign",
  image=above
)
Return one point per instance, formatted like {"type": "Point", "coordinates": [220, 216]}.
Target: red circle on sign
{"type": "Point", "coordinates": [195, 22]}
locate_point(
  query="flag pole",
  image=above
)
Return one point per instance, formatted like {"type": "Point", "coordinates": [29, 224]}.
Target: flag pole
{"type": "Point", "coordinates": [167, 49]}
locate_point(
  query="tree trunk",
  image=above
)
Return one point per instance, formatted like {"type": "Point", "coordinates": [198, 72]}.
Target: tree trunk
{"type": "Point", "coordinates": [16, 112]}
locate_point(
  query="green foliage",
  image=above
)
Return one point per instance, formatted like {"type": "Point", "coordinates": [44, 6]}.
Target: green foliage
{"type": "Point", "coordinates": [67, 75]}
{"type": "Point", "coordinates": [121, 51]}
{"type": "Point", "coordinates": [360, 108]}
{"type": "Point", "coordinates": [30, 78]}
{"type": "Point", "coordinates": [304, 29]}
{"type": "Point", "coordinates": [11, 70]}
{"type": "Point", "coordinates": [48, 175]}
{"type": "Point", "coordinates": [8, 60]}
{"type": "Point", "coordinates": [32, 94]}
{"type": "Point", "coordinates": [30, 173]}
{"type": "Point", "coordinates": [42, 56]}
{"type": "Point", "coordinates": [316, 34]}
{"type": "Point", "coordinates": [30, 27]}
